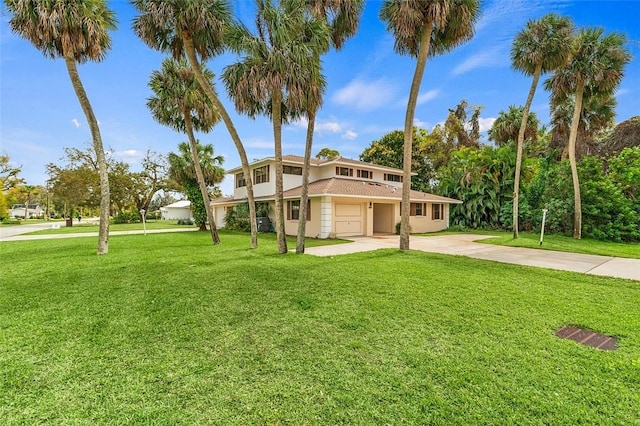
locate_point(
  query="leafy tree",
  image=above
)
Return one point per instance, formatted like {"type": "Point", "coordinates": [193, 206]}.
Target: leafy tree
{"type": "Point", "coordinates": [278, 68]}
{"type": "Point", "coordinates": [596, 68]}
{"type": "Point", "coordinates": [183, 170]}
{"type": "Point", "coordinates": [460, 131]}
{"type": "Point", "coordinates": [76, 32]}
{"type": "Point", "coordinates": [179, 103]}
{"type": "Point", "coordinates": [195, 28]}
{"type": "Point", "coordinates": [625, 135]}
{"type": "Point", "coordinates": [9, 173]}
{"type": "Point", "coordinates": [542, 46]}
{"type": "Point", "coordinates": [145, 184]}
{"type": "Point", "coordinates": [327, 154]}
{"type": "Point", "coordinates": [421, 29]}
{"type": "Point", "coordinates": [507, 126]}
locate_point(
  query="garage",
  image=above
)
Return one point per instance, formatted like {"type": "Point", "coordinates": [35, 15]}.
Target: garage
{"type": "Point", "coordinates": [348, 220]}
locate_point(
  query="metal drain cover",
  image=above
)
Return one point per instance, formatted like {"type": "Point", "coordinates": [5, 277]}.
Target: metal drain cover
{"type": "Point", "coordinates": [588, 337]}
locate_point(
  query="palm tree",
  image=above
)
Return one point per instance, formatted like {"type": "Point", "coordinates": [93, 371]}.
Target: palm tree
{"type": "Point", "coordinates": [507, 126]}
{"type": "Point", "coordinates": [182, 170]}
{"type": "Point", "coordinates": [275, 72]}
{"type": "Point", "coordinates": [76, 32]}
{"type": "Point", "coordinates": [421, 29]}
{"type": "Point", "coordinates": [195, 27]}
{"type": "Point", "coordinates": [595, 69]}
{"type": "Point", "coordinates": [542, 46]}
{"type": "Point", "coordinates": [342, 17]}
{"type": "Point", "coordinates": [180, 104]}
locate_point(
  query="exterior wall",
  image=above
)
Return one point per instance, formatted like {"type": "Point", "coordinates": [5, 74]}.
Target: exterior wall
{"type": "Point", "coordinates": [312, 228]}
{"type": "Point", "coordinates": [288, 182]}
{"type": "Point", "coordinates": [219, 213]}
{"type": "Point", "coordinates": [421, 224]}
{"type": "Point", "coordinates": [172, 213]}
{"type": "Point", "coordinates": [383, 215]}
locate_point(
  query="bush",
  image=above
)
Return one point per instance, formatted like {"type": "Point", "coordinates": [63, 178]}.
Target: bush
{"type": "Point", "coordinates": [185, 222]}
{"type": "Point", "coordinates": [128, 216]}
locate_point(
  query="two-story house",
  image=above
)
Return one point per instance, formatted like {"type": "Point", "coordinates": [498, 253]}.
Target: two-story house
{"type": "Point", "coordinates": [346, 198]}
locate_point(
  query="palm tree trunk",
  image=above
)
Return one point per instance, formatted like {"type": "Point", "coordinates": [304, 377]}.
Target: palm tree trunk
{"type": "Point", "coordinates": [276, 117]}
{"type": "Point", "coordinates": [208, 89]}
{"type": "Point", "coordinates": [304, 195]}
{"type": "Point", "coordinates": [405, 228]}
{"type": "Point", "coordinates": [200, 177]}
{"type": "Point", "coordinates": [105, 199]}
{"type": "Point", "coordinates": [573, 134]}
{"type": "Point", "coordinates": [521, 132]}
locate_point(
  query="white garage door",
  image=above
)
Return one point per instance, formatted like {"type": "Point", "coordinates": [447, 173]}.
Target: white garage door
{"type": "Point", "coordinates": [348, 220]}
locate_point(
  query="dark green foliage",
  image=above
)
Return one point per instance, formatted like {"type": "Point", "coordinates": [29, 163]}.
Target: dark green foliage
{"type": "Point", "coordinates": [237, 218]}
{"type": "Point", "coordinates": [127, 216]}
{"type": "Point", "coordinates": [192, 191]}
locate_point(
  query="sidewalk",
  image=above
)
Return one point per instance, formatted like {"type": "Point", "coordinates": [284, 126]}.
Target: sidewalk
{"type": "Point", "coordinates": [90, 234]}
{"type": "Point", "coordinates": [465, 245]}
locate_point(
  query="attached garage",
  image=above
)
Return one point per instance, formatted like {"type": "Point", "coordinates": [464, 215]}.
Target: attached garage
{"type": "Point", "coordinates": [349, 220]}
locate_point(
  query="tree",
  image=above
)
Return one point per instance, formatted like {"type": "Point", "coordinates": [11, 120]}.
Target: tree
{"type": "Point", "coordinates": [327, 154]}
{"type": "Point", "coordinates": [342, 17]}
{"type": "Point", "coordinates": [9, 174]}
{"type": "Point", "coordinates": [507, 126]}
{"type": "Point", "coordinates": [195, 28]}
{"type": "Point", "coordinates": [423, 29]}
{"type": "Point", "coordinates": [180, 103]}
{"type": "Point", "coordinates": [182, 169]}
{"type": "Point", "coordinates": [595, 68]}
{"type": "Point", "coordinates": [145, 184]}
{"type": "Point", "coordinates": [542, 46]}
{"type": "Point", "coordinates": [278, 67]}
{"type": "Point", "coordinates": [76, 32]}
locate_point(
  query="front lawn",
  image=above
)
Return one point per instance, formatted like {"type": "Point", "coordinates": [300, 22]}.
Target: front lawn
{"type": "Point", "coordinates": [81, 227]}
{"type": "Point", "coordinates": [169, 329]}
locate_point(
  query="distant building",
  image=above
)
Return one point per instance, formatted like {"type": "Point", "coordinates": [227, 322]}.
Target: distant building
{"type": "Point", "coordinates": [176, 211]}
{"type": "Point", "coordinates": [29, 212]}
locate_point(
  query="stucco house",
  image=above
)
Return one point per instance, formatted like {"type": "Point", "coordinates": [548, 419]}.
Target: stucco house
{"type": "Point", "coordinates": [346, 198]}
{"type": "Point", "coordinates": [176, 211]}
{"type": "Point", "coordinates": [26, 212]}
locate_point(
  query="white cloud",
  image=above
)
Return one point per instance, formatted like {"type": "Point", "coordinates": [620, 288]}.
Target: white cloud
{"type": "Point", "coordinates": [365, 95]}
{"type": "Point", "coordinates": [486, 123]}
{"type": "Point", "coordinates": [428, 96]}
{"type": "Point", "coordinates": [418, 123]}
{"type": "Point", "coordinates": [75, 122]}
{"type": "Point", "coordinates": [129, 156]}
{"type": "Point", "coordinates": [331, 126]}
{"type": "Point", "coordinates": [484, 59]}
{"type": "Point", "coordinates": [349, 134]}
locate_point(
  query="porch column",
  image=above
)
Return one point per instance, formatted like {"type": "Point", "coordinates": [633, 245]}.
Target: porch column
{"type": "Point", "coordinates": [326, 217]}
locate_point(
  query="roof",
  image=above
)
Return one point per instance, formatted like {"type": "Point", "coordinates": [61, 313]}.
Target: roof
{"type": "Point", "coordinates": [356, 189]}
{"type": "Point", "coordinates": [297, 159]}
{"type": "Point", "coordinates": [179, 204]}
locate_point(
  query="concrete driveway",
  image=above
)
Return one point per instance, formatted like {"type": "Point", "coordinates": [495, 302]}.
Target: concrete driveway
{"type": "Point", "coordinates": [465, 245]}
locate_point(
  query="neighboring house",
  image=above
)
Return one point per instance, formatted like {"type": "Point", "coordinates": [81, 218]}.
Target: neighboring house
{"type": "Point", "coordinates": [176, 211]}
{"type": "Point", "coordinates": [30, 212]}
{"type": "Point", "coordinates": [346, 198]}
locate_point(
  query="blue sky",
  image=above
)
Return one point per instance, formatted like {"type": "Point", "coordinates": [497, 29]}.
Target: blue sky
{"type": "Point", "coordinates": [368, 85]}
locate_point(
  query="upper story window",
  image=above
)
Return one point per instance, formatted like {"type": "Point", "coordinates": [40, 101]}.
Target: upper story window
{"type": "Point", "coordinates": [240, 181]}
{"type": "Point", "coordinates": [292, 170]}
{"type": "Point", "coordinates": [365, 174]}
{"type": "Point", "coordinates": [392, 177]}
{"type": "Point", "coordinates": [261, 174]}
{"type": "Point", "coordinates": [344, 171]}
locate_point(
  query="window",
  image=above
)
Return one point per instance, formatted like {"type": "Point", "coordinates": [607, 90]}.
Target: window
{"type": "Point", "coordinates": [365, 174]}
{"type": "Point", "coordinates": [344, 171]}
{"type": "Point", "coordinates": [417, 209]}
{"type": "Point", "coordinates": [292, 170]}
{"type": "Point", "coordinates": [240, 182]}
{"type": "Point", "coordinates": [293, 210]}
{"type": "Point", "coordinates": [261, 174]}
{"type": "Point", "coordinates": [392, 177]}
{"type": "Point", "coordinates": [437, 212]}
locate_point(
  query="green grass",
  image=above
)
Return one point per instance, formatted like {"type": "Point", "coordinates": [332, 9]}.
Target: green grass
{"type": "Point", "coordinates": [567, 244]}
{"type": "Point", "coordinates": [169, 329]}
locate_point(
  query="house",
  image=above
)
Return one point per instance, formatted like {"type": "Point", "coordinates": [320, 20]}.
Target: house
{"type": "Point", "coordinates": [29, 212]}
{"type": "Point", "coordinates": [176, 211]}
{"type": "Point", "coordinates": [346, 198]}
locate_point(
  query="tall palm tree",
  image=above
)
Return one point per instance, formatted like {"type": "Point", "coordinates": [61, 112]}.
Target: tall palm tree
{"type": "Point", "coordinates": [342, 18]}
{"type": "Point", "coordinates": [507, 126]}
{"type": "Point", "coordinates": [183, 171]}
{"type": "Point", "coordinates": [77, 32]}
{"type": "Point", "coordinates": [180, 103]}
{"type": "Point", "coordinates": [195, 28]}
{"type": "Point", "coordinates": [422, 29]}
{"type": "Point", "coordinates": [595, 68]}
{"type": "Point", "coordinates": [274, 73]}
{"type": "Point", "coordinates": [542, 46]}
